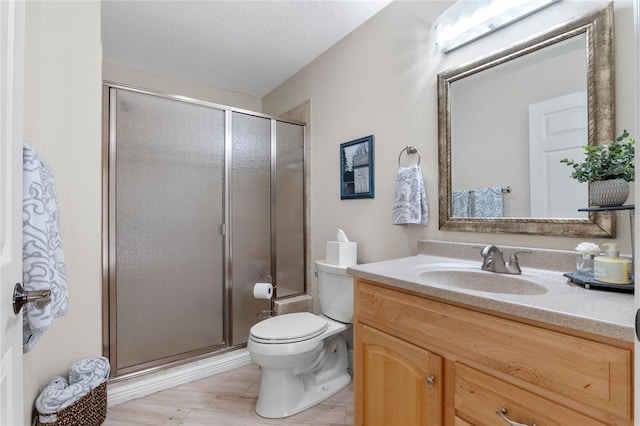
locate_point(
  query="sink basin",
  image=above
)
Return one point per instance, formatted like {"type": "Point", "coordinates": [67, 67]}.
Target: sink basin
{"type": "Point", "coordinates": [479, 280]}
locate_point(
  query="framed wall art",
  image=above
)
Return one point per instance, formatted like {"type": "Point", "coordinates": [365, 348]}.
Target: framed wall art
{"type": "Point", "coordinates": [356, 169]}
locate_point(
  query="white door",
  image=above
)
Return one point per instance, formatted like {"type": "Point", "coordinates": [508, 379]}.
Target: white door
{"type": "Point", "coordinates": [11, 101]}
{"type": "Point", "coordinates": [557, 129]}
{"type": "Point", "coordinates": [636, 236]}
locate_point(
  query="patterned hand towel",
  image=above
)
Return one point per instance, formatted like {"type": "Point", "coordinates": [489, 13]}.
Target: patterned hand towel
{"type": "Point", "coordinates": [488, 202]}
{"type": "Point", "coordinates": [43, 266]}
{"type": "Point", "coordinates": [461, 206]}
{"type": "Point", "coordinates": [410, 199]}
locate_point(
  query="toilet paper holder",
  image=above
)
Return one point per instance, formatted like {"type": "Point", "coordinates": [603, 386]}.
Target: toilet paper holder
{"type": "Point", "coordinates": [269, 279]}
{"type": "Point", "coordinates": [268, 313]}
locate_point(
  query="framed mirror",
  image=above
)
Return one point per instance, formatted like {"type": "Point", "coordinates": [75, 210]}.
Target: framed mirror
{"type": "Point", "coordinates": [506, 120]}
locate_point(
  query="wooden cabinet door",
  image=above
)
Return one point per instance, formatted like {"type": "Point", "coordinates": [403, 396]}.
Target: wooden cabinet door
{"type": "Point", "coordinates": [396, 383]}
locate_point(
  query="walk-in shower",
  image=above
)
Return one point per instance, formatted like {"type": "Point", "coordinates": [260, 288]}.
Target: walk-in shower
{"type": "Point", "coordinates": [201, 202]}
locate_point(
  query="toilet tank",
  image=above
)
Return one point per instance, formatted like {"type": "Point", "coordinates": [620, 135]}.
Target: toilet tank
{"type": "Point", "coordinates": [335, 290]}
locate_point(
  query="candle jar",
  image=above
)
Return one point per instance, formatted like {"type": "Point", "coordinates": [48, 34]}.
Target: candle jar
{"type": "Point", "coordinates": [584, 265]}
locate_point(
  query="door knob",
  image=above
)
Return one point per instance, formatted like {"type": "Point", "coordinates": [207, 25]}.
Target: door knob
{"type": "Point", "coordinates": [21, 297]}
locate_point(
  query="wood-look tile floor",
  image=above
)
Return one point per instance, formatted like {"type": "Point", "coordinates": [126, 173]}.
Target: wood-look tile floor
{"type": "Point", "coordinates": [226, 399]}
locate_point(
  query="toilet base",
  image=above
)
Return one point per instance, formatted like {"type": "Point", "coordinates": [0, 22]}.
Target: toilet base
{"type": "Point", "coordinates": [285, 392]}
{"type": "Point", "coordinates": [312, 396]}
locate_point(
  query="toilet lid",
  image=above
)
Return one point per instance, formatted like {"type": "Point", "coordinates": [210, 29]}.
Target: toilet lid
{"type": "Point", "coordinates": [289, 328]}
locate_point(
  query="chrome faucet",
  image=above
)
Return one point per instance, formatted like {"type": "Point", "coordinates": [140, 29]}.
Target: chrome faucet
{"type": "Point", "coordinates": [494, 260]}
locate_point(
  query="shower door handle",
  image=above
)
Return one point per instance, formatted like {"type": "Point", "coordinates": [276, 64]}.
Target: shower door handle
{"type": "Point", "coordinates": [21, 297]}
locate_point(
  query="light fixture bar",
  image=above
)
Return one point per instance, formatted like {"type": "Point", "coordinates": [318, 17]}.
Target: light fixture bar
{"type": "Point", "coordinates": [466, 20]}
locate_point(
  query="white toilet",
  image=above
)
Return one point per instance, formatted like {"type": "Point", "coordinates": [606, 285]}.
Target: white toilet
{"type": "Point", "coordinates": [303, 356]}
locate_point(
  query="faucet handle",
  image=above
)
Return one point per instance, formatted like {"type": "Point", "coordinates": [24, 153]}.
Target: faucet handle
{"type": "Point", "coordinates": [514, 255]}
{"type": "Point", "coordinates": [512, 265]}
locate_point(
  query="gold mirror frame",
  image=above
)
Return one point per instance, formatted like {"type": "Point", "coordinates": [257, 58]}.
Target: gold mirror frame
{"type": "Point", "coordinates": [598, 27]}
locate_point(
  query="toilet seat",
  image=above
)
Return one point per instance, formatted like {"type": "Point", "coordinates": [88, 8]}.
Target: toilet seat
{"type": "Point", "coordinates": [288, 328]}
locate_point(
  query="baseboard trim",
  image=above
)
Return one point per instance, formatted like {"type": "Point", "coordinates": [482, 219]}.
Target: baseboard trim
{"type": "Point", "coordinates": [126, 390]}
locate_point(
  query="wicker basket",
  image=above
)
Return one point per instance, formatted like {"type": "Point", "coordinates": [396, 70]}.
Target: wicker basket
{"type": "Point", "coordinates": [90, 410]}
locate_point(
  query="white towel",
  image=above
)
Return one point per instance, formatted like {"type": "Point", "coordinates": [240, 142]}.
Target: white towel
{"type": "Point", "coordinates": [92, 371]}
{"type": "Point", "coordinates": [410, 199]}
{"type": "Point", "coordinates": [43, 266]}
{"type": "Point", "coordinates": [84, 376]}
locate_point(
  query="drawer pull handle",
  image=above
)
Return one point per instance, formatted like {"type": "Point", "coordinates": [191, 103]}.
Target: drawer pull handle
{"type": "Point", "coordinates": [430, 381]}
{"type": "Point", "coordinates": [502, 412]}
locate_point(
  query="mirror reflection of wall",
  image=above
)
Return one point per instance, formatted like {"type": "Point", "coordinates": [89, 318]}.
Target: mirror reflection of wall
{"type": "Point", "coordinates": [491, 149]}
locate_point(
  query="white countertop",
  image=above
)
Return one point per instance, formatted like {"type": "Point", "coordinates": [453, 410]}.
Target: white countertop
{"type": "Point", "coordinates": [565, 304]}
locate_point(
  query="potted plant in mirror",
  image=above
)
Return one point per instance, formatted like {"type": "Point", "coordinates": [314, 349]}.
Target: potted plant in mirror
{"type": "Point", "coordinates": [608, 169]}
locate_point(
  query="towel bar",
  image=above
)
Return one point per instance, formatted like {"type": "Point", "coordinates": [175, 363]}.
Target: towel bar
{"type": "Point", "coordinates": [506, 190]}
{"type": "Point", "coordinates": [410, 150]}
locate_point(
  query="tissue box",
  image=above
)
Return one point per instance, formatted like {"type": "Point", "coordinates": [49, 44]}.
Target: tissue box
{"type": "Point", "coordinates": [342, 253]}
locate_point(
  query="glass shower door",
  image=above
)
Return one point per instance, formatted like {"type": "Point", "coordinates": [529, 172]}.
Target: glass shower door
{"type": "Point", "coordinates": [250, 219]}
{"type": "Point", "coordinates": [169, 251]}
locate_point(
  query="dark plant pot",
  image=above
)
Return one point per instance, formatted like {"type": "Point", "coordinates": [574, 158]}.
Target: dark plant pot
{"type": "Point", "coordinates": [608, 193]}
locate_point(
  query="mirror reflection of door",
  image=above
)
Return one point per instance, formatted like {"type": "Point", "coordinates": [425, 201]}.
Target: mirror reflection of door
{"type": "Point", "coordinates": [558, 129]}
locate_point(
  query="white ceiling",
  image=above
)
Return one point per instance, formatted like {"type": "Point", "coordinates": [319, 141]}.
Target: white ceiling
{"type": "Point", "coordinates": [245, 46]}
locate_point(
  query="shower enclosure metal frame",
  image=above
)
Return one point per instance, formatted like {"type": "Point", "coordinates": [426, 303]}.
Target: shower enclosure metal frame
{"type": "Point", "coordinates": [109, 287]}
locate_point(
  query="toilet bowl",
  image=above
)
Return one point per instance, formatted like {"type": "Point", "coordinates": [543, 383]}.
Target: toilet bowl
{"type": "Point", "coordinates": [303, 357]}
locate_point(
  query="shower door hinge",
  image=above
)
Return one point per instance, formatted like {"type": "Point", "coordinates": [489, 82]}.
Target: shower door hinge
{"type": "Point", "coordinates": [223, 229]}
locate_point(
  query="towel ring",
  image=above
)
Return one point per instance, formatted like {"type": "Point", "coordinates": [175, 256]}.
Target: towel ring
{"type": "Point", "coordinates": [410, 150]}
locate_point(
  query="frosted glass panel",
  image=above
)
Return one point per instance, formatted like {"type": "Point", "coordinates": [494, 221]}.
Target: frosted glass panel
{"type": "Point", "coordinates": [290, 257]}
{"type": "Point", "coordinates": [250, 218]}
{"type": "Point", "coordinates": [169, 205]}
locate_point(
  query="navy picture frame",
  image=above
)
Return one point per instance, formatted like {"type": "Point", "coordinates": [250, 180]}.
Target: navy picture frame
{"type": "Point", "coordinates": [356, 169]}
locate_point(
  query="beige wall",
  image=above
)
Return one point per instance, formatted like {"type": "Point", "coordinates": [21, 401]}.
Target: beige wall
{"type": "Point", "coordinates": [381, 80]}
{"type": "Point", "coordinates": [121, 74]}
{"type": "Point", "coordinates": [62, 122]}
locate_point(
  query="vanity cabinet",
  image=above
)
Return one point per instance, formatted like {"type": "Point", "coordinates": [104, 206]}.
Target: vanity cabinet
{"type": "Point", "coordinates": [400, 381]}
{"type": "Point", "coordinates": [480, 365]}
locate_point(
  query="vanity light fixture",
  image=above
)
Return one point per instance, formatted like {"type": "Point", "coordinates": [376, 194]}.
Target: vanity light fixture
{"type": "Point", "coordinates": [468, 20]}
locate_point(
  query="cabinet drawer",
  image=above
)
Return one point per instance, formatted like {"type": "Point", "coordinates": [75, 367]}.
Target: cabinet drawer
{"type": "Point", "coordinates": [593, 373]}
{"type": "Point", "coordinates": [479, 397]}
